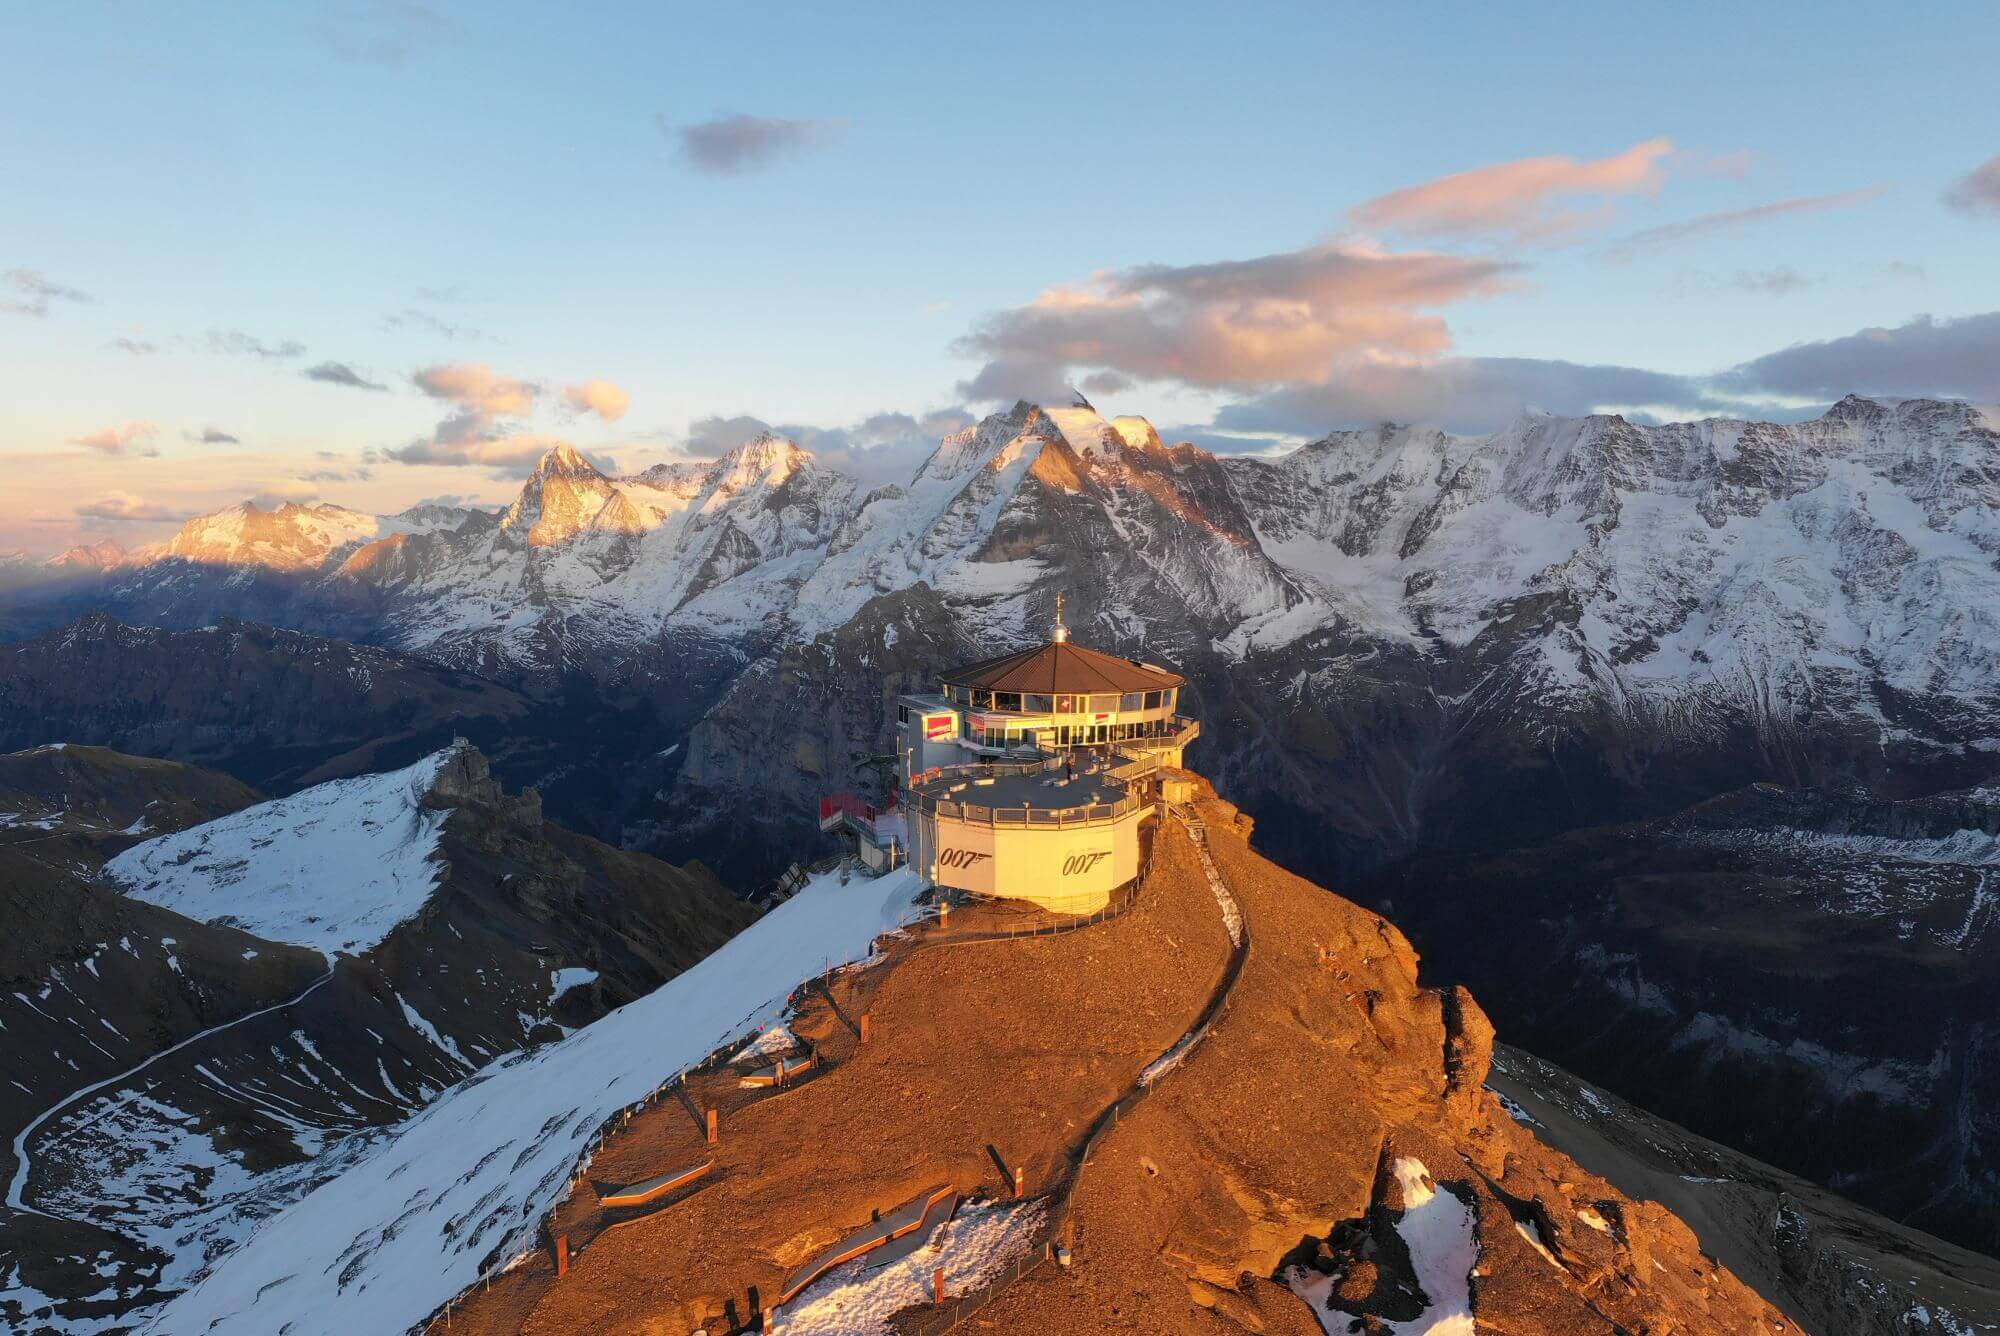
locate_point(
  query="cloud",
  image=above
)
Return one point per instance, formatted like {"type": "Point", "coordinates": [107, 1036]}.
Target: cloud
{"type": "Point", "coordinates": [33, 292]}
{"type": "Point", "coordinates": [119, 439]}
{"type": "Point", "coordinates": [381, 32]}
{"type": "Point", "coordinates": [1274, 319]}
{"type": "Point", "coordinates": [474, 387]}
{"type": "Point", "coordinates": [235, 343]}
{"type": "Point", "coordinates": [340, 373]}
{"type": "Point", "coordinates": [1730, 219]}
{"type": "Point", "coordinates": [883, 447]}
{"type": "Point", "coordinates": [1530, 199]}
{"type": "Point", "coordinates": [124, 507]}
{"type": "Point", "coordinates": [1978, 192]}
{"type": "Point", "coordinates": [491, 451]}
{"type": "Point", "coordinates": [288, 491]}
{"type": "Point", "coordinates": [477, 432]}
{"type": "Point", "coordinates": [1467, 394]}
{"type": "Point", "coordinates": [412, 318]}
{"type": "Point", "coordinates": [729, 145]}
{"type": "Point", "coordinates": [597, 396]}
{"type": "Point", "coordinates": [1779, 282]}
{"type": "Point", "coordinates": [1924, 357]}
{"type": "Point", "coordinates": [211, 436]}
{"type": "Point", "coordinates": [136, 347]}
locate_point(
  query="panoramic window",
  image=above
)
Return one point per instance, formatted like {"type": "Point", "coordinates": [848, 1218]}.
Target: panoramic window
{"type": "Point", "coordinates": [1065, 705]}
{"type": "Point", "coordinates": [1039, 704]}
{"type": "Point", "coordinates": [1007, 700]}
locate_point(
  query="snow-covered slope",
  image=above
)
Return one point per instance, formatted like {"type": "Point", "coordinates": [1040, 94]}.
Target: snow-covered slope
{"type": "Point", "coordinates": [422, 1211]}
{"type": "Point", "coordinates": [334, 867]}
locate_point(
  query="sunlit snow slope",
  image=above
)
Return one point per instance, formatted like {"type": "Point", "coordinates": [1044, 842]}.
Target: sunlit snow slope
{"type": "Point", "coordinates": [334, 867]}
{"type": "Point", "coordinates": [462, 1185]}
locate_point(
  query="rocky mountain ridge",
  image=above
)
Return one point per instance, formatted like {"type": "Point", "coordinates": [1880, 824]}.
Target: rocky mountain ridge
{"type": "Point", "coordinates": [209, 1025]}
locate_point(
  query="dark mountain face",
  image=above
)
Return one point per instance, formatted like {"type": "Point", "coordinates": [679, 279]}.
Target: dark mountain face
{"type": "Point", "coordinates": [178, 1078]}
{"type": "Point", "coordinates": [1834, 1266]}
{"type": "Point", "coordinates": [1809, 975]}
{"type": "Point", "coordinates": [281, 709]}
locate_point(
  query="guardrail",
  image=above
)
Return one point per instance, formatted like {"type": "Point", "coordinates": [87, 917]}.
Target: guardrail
{"type": "Point", "coordinates": [980, 814]}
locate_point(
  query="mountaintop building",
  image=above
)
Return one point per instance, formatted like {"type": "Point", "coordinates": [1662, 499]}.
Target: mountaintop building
{"type": "Point", "coordinates": [1028, 775]}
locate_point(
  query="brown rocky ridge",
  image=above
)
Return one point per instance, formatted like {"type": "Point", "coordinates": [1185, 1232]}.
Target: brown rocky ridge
{"type": "Point", "coordinates": [1323, 1156]}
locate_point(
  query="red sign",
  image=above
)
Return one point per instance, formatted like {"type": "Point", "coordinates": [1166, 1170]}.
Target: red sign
{"type": "Point", "coordinates": [936, 726]}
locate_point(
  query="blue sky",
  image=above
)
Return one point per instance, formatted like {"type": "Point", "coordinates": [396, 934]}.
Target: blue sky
{"type": "Point", "coordinates": [816, 216]}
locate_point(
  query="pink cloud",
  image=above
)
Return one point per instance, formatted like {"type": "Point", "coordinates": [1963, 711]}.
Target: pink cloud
{"type": "Point", "coordinates": [1530, 199]}
{"type": "Point", "coordinates": [118, 439]}
{"type": "Point", "coordinates": [1978, 192]}
{"type": "Point", "coordinates": [1730, 219]}
{"type": "Point", "coordinates": [598, 396]}
{"type": "Point", "coordinates": [1273, 319]}
{"type": "Point", "coordinates": [125, 507]}
{"type": "Point", "coordinates": [474, 387]}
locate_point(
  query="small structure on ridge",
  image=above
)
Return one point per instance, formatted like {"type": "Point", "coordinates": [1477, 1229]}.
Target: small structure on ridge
{"type": "Point", "coordinates": [1028, 776]}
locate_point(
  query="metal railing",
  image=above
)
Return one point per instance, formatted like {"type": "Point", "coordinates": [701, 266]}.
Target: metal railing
{"type": "Point", "coordinates": [979, 814]}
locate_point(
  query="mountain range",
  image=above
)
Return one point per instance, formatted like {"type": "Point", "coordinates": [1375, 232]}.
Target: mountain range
{"type": "Point", "coordinates": [1410, 651]}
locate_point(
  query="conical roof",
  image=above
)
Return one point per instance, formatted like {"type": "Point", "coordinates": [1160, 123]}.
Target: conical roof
{"type": "Point", "coordinates": [1062, 667]}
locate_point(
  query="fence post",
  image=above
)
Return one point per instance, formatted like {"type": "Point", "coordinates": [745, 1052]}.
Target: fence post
{"type": "Point", "coordinates": [562, 1256]}
{"type": "Point", "coordinates": [937, 1286]}
{"type": "Point", "coordinates": [864, 1027]}
{"type": "Point", "coordinates": [1020, 1178]}
{"type": "Point", "coordinates": [713, 1132]}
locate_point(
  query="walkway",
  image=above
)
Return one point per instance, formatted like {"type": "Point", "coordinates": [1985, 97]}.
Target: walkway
{"type": "Point", "coordinates": [950, 1315]}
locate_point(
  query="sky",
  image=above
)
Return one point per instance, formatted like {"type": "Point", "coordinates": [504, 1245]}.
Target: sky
{"type": "Point", "coordinates": [382, 251]}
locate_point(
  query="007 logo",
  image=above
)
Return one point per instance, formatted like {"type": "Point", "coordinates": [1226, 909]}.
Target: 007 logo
{"type": "Point", "coordinates": [1077, 864]}
{"type": "Point", "coordinates": [961, 858]}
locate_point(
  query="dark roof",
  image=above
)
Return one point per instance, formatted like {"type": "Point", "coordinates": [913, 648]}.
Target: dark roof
{"type": "Point", "coordinates": [1062, 667]}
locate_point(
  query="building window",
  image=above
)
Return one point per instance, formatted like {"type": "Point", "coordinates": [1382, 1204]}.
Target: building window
{"type": "Point", "coordinates": [1065, 705]}
{"type": "Point", "coordinates": [982, 700]}
{"type": "Point", "coordinates": [1152, 700]}
{"type": "Point", "coordinates": [1132, 700]}
{"type": "Point", "coordinates": [1167, 698]}
{"type": "Point", "coordinates": [903, 715]}
{"type": "Point", "coordinates": [1104, 704]}
{"type": "Point", "coordinates": [1039, 704]}
{"type": "Point", "coordinates": [1009, 701]}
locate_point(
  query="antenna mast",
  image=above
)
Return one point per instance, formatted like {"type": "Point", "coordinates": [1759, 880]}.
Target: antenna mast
{"type": "Point", "coordinates": [1061, 633]}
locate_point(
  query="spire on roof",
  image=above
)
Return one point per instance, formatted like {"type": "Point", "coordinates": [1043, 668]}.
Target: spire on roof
{"type": "Point", "coordinates": [1060, 635]}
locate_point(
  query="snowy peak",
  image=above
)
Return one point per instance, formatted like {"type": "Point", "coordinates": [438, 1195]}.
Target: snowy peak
{"type": "Point", "coordinates": [102, 555]}
{"type": "Point", "coordinates": [285, 537]}
{"type": "Point", "coordinates": [561, 499]}
{"type": "Point", "coordinates": [564, 460]}
{"type": "Point", "coordinates": [1137, 432]}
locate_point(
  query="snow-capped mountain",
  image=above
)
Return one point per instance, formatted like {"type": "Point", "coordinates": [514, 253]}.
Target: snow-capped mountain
{"type": "Point", "coordinates": [1820, 597]}
{"type": "Point", "coordinates": [210, 1025]}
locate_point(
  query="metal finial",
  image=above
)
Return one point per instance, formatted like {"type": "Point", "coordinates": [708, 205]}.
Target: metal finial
{"type": "Point", "coordinates": [1061, 633]}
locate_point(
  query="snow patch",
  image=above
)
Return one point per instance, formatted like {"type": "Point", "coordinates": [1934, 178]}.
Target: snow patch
{"type": "Point", "coordinates": [858, 1300]}
{"type": "Point", "coordinates": [335, 867]}
{"type": "Point", "coordinates": [360, 1253]}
